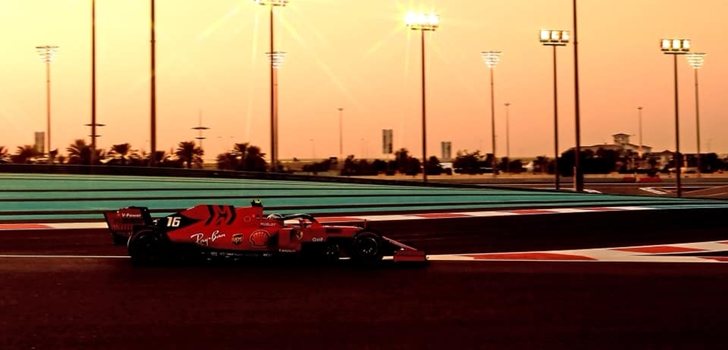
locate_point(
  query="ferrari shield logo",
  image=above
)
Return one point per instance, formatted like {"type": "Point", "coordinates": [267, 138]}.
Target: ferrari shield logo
{"type": "Point", "coordinates": [237, 238]}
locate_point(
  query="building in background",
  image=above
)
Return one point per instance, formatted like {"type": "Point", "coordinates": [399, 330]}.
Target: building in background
{"type": "Point", "coordinates": [39, 144]}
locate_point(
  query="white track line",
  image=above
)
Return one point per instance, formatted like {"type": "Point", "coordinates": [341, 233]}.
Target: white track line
{"type": "Point", "coordinates": [35, 256]}
{"type": "Point", "coordinates": [612, 254]}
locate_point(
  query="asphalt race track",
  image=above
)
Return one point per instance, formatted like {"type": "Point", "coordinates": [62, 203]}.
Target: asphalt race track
{"type": "Point", "coordinates": [108, 304]}
{"type": "Point", "coordinates": [73, 289]}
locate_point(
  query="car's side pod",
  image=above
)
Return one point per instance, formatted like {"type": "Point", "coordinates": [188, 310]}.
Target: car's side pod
{"type": "Point", "coordinates": [121, 222]}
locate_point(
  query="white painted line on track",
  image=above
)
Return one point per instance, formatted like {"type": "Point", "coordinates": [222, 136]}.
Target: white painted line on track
{"type": "Point", "coordinates": [705, 252]}
{"type": "Point", "coordinates": [28, 256]}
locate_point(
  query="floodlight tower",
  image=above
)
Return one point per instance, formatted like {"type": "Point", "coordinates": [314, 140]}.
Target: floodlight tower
{"type": "Point", "coordinates": [47, 53]}
{"type": "Point", "coordinates": [153, 90]}
{"type": "Point", "coordinates": [696, 60]}
{"type": "Point", "coordinates": [676, 47]}
{"type": "Point", "coordinates": [555, 38]}
{"type": "Point", "coordinates": [424, 23]}
{"type": "Point", "coordinates": [276, 61]}
{"type": "Point", "coordinates": [491, 59]}
{"type": "Point", "coordinates": [200, 129]}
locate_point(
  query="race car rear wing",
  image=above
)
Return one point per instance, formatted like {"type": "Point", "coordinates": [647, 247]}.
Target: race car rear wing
{"type": "Point", "coordinates": [122, 222]}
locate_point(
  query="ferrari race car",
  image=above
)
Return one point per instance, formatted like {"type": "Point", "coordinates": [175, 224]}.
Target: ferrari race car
{"type": "Point", "coordinates": [228, 231]}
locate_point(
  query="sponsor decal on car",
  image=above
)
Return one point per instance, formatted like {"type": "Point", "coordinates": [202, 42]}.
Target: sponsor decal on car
{"type": "Point", "coordinates": [259, 238]}
{"type": "Point", "coordinates": [237, 238]}
{"type": "Point", "coordinates": [201, 239]}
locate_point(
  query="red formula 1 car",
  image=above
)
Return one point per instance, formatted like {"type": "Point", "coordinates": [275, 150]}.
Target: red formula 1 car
{"type": "Point", "coordinates": [223, 230]}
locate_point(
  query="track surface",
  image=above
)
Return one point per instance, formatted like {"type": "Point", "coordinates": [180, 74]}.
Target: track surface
{"type": "Point", "coordinates": [57, 303]}
{"type": "Point", "coordinates": [95, 303]}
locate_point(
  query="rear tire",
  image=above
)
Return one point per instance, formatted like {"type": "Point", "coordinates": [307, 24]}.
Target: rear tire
{"type": "Point", "coordinates": [147, 247]}
{"type": "Point", "coordinates": [367, 248]}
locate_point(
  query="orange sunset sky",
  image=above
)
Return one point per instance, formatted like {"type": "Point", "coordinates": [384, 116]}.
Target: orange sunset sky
{"type": "Point", "coordinates": [358, 55]}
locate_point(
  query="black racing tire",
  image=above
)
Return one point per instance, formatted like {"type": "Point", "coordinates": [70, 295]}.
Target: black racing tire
{"type": "Point", "coordinates": [148, 247]}
{"type": "Point", "coordinates": [367, 248]}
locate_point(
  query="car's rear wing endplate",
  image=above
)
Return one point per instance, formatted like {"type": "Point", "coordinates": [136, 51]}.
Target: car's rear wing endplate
{"type": "Point", "coordinates": [123, 221]}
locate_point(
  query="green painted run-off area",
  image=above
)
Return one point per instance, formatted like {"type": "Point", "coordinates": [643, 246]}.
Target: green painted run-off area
{"type": "Point", "coordinates": [41, 197]}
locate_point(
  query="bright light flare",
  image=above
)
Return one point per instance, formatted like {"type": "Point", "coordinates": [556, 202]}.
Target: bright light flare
{"type": "Point", "coordinates": [675, 46]}
{"type": "Point", "coordinates": [422, 21]}
{"type": "Point", "coordinates": [554, 37]}
{"type": "Point", "coordinates": [272, 2]}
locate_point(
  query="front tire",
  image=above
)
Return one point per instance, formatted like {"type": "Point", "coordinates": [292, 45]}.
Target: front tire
{"type": "Point", "coordinates": [367, 248]}
{"type": "Point", "coordinates": [147, 247]}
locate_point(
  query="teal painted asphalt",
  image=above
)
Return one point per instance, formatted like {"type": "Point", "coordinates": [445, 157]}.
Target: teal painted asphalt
{"type": "Point", "coordinates": [40, 197]}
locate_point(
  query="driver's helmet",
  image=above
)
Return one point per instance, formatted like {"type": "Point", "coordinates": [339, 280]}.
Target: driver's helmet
{"type": "Point", "coordinates": [275, 216]}
{"type": "Point", "coordinates": [256, 203]}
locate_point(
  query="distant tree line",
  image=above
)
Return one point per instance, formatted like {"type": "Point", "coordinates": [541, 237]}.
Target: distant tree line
{"type": "Point", "coordinates": [247, 157]}
{"type": "Point", "coordinates": [243, 156]}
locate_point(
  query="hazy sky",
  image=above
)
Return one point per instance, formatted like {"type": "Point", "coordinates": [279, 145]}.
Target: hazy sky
{"type": "Point", "coordinates": [359, 55]}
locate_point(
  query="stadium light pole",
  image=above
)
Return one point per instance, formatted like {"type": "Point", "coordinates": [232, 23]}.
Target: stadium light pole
{"type": "Point", "coordinates": [555, 38]}
{"type": "Point", "coordinates": [639, 128]}
{"type": "Point", "coordinates": [47, 53]}
{"type": "Point", "coordinates": [696, 60]}
{"type": "Point", "coordinates": [200, 129]}
{"type": "Point", "coordinates": [153, 91]}
{"type": "Point", "coordinates": [578, 171]}
{"type": "Point", "coordinates": [93, 123]}
{"type": "Point", "coordinates": [276, 61]}
{"type": "Point", "coordinates": [491, 59]}
{"type": "Point", "coordinates": [424, 23]}
{"type": "Point", "coordinates": [508, 138]}
{"type": "Point", "coordinates": [676, 47]}
{"type": "Point", "coordinates": [341, 133]}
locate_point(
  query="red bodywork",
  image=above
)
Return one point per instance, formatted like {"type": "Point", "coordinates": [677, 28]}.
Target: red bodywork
{"type": "Point", "coordinates": [224, 228]}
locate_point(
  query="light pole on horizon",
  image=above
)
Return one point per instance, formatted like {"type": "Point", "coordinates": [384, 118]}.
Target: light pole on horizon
{"type": "Point", "coordinates": [696, 60]}
{"type": "Point", "coordinates": [341, 133]}
{"type": "Point", "coordinates": [93, 123]}
{"type": "Point", "coordinates": [491, 59]}
{"type": "Point", "coordinates": [276, 60]}
{"type": "Point", "coordinates": [47, 53]}
{"type": "Point", "coordinates": [676, 47]}
{"type": "Point", "coordinates": [555, 38]}
{"type": "Point", "coordinates": [508, 137]}
{"type": "Point", "coordinates": [153, 91]}
{"type": "Point", "coordinates": [578, 171]}
{"type": "Point", "coordinates": [639, 129]}
{"type": "Point", "coordinates": [200, 129]}
{"type": "Point", "coordinates": [424, 23]}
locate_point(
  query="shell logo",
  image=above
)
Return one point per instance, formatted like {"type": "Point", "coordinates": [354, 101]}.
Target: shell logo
{"type": "Point", "coordinates": [259, 238]}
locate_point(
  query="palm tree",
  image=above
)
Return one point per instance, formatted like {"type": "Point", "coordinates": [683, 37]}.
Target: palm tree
{"type": "Point", "coordinates": [80, 153]}
{"type": "Point", "coordinates": [121, 152]}
{"type": "Point", "coordinates": [243, 157]}
{"type": "Point", "coordinates": [4, 155]}
{"type": "Point", "coordinates": [25, 154]}
{"type": "Point", "coordinates": [253, 158]}
{"type": "Point", "coordinates": [189, 153]}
